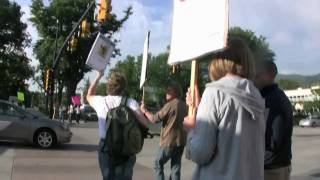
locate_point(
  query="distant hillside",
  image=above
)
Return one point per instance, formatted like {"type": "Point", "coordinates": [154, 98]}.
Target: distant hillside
{"type": "Point", "coordinates": [304, 81]}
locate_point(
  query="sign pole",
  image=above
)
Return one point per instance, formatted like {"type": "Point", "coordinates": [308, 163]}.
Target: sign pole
{"type": "Point", "coordinates": [143, 94]}
{"type": "Point", "coordinates": [193, 82]}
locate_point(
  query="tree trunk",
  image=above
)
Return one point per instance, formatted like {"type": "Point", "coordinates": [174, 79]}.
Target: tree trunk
{"type": "Point", "coordinates": [60, 91]}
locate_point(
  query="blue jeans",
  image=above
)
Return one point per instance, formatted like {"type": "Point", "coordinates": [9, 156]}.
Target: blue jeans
{"type": "Point", "coordinates": [61, 117]}
{"type": "Point", "coordinates": [109, 171]}
{"type": "Point", "coordinates": [164, 154]}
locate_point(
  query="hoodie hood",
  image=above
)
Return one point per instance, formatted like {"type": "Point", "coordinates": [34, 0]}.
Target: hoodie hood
{"type": "Point", "coordinates": [243, 91]}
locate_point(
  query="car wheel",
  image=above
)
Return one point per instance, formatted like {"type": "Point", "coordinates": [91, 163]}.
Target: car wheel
{"type": "Point", "coordinates": [313, 124]}
{"type": "Point", "coordinates": [45, 138]}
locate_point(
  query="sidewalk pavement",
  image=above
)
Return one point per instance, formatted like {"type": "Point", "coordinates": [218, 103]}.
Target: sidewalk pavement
{"type": "Point", "coordinates": [6, 163]}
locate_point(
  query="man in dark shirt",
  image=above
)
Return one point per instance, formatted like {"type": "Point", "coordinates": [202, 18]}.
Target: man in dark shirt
{"type": "Point", "coordinates": [278, 154]}
{"type": "Point", "coordinates": [172, 135]}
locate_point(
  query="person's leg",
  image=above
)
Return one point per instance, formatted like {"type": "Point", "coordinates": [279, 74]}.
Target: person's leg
{"type": "Point", "coordinates": [125, 170]}
{"type": "Point", "coordinates": [78, 118]}
{"type": "Point", "coordinates": [106, 168]}
{"type": "Point", "coordinates": [160, 160]}
{"type": "Point", "coordinates": [282, 173]}
{"type": "Point", "coordinates": [176, 162]}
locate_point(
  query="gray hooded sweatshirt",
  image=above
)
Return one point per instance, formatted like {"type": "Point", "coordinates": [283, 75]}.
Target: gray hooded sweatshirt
{"type": "Point", "coordinates": [228, 140]}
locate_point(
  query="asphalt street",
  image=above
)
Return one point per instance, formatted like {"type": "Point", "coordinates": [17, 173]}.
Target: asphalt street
{"type": "Point", "coordinates": [78, 159]}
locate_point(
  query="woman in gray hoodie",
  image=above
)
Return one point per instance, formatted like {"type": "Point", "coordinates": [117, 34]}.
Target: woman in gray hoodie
{"type": "Point", "coordinates": [226, 137]}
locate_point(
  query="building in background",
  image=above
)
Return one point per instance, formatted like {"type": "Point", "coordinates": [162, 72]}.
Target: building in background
{"type": "Point", "coordinates": [301, 95]}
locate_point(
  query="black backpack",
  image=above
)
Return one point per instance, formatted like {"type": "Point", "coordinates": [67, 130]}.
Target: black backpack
{"type": "Point", "coordinates": [125, 135]}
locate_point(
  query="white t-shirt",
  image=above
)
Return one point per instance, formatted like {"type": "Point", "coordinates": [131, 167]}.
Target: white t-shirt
{"type": "Point", "coordinates": [102, 104]}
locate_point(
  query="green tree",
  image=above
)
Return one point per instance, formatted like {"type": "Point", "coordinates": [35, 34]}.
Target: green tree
{"type": "Point", "coordinates": [258, 44]}
{"type": "Point", "coordinates": [159, 73]}
{"type": "Point", "coordinates": [72, 65]}
{"type": "Point", "coordinates": [287, 84]}
{"type": "Point", "coordinates": [14, 64]}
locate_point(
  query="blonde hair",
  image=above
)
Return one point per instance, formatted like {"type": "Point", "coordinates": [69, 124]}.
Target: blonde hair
{"type": "Point", "coordinates": [236, 59]}
{"type": "Point", "coordinates": [116, 83]}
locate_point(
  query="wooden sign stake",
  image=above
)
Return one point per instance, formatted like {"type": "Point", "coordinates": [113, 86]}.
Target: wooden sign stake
{"type": "Point", "coordinates": [193, 82]}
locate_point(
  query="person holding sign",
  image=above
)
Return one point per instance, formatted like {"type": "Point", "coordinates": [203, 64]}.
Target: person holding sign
{"type": "Point", "coordinates": [172, 135]}
{"type": "Point", "coordinates": [226, 138]}
{"type": "Point", "coordinates": [116, 84]}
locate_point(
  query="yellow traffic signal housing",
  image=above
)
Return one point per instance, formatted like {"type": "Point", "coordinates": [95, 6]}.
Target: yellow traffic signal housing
{"type": "Point", "coordinates": [47, 79]}
{"type": "Point", "coordinates": [85, 28]}
{"type": "Point", "coordinates": [104, 10]}
{"type": "Point", "coordinates": [73, 44]}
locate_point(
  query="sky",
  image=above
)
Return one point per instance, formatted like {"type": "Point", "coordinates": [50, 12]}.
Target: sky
{"type": "Point", "coordinates": [291, 27]}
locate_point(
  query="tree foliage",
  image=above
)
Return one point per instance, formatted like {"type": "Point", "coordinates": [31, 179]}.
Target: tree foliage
{"type": "Point", "coordinates": [159, 73]}
{"type": "Point", "coordinates": [72, 65]}
{"type": "Point", "coordinates": [14, 64]}
{"type": "Point", "coordinates": [258, 44]}
{"type": "Point", "coordinates": [287, 84]}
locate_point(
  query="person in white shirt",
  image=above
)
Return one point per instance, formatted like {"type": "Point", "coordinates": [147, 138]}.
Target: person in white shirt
{"type": "Point", "coordinates": [102, 104]}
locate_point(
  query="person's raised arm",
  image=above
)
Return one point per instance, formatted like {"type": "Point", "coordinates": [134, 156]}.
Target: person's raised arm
{"type": "Point", "coordinates": [92, 87]}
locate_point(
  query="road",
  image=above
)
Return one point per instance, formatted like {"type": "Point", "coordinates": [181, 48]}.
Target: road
{"type": "Point", "coordinates": [78, 159]}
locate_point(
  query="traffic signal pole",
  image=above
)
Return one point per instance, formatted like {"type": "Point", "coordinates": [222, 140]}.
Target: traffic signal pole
{"type": "Point", "coordinates": [57, 57]}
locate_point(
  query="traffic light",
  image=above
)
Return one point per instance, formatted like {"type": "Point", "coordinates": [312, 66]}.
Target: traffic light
{"type": "Point", "coordinates": [85, 28]}
{"type": "Point", "coordinates": [47, 79]}
{"type": "Point", "coordinates": [104, 10]}
{"type": "Point", "coordinates": [72, 44]}
{"type": "Point", "coordinates": [175, 68]}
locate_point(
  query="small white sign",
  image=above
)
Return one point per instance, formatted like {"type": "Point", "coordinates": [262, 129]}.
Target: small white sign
{"type": "Point", "coordinates": [100, 53]}
{"type": "Point", "coordinates": [199, 27]}
{"type": "Point", "coordinates": [144, 61]}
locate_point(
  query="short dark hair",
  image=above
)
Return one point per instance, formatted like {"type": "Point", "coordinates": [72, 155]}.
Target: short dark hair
{"type": "Point", "coordinates": [116, 83]}
{"type": "Point", "coordinates": [176, 88]}
{"type": "Point", "coordinates": [267, 66]}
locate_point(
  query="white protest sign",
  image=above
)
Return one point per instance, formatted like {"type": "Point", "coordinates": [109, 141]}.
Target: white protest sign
{"type": "Point", "coordinates": [100, 53]}
{"type": "Point", "coordinates": [144, 61]}
{"type": "Point", "coordinates": [199, 27]}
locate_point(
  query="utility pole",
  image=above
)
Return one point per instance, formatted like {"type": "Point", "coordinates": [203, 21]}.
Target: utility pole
{"type": "Point", "coordinates": [57, 56]}
{"type": "Point", "coordinates": [52, 73]}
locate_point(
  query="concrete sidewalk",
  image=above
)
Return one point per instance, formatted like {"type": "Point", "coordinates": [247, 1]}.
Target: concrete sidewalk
{"type": "Point", "coordinates": [6, 163]}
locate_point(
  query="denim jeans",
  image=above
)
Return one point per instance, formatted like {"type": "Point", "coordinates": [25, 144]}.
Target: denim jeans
{"type": "Point", "coordinates": [164, 154]}
{"type": "Point", "coordinates": [109, 171]}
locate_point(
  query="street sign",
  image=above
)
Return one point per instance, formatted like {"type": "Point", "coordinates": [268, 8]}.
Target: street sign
{"type": "Point", "coordinates": [20, 96]}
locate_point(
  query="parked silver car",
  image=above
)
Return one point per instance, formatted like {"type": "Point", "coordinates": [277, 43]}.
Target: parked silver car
{"type": "Point", "coordinates": [17, 124]}
{"type": "Point", "coordinates": [311, 121]}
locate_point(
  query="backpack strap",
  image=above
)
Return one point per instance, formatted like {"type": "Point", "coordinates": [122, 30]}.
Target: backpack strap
{"type": "Point", "coordinates": [123, 101]}
{"type": "Point", "coordinates": [108, 122]}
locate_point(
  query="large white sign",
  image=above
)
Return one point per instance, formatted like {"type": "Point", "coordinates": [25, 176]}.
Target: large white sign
{"type": "Point", "coordinates": [199, 27]}
{"type": "Point", "coordinates": [100, 53]}
{"type": "Point", "coordinates": [144, 61]}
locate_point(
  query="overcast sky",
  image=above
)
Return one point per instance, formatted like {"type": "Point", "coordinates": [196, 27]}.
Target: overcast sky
{"type": "Point", "coordinates": [291, 27]}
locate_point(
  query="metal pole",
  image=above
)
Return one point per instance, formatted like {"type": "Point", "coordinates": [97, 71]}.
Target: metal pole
{"type": "Point", "coordinates": [57, 56]}
{"type": "Point", "coordinates": [56, 61]}
{"type": "Point", "coordinates": [53, 72]}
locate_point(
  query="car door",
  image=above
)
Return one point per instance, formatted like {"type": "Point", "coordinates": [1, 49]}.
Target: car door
{"type": "Point", "coordinates": [14, 124]}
